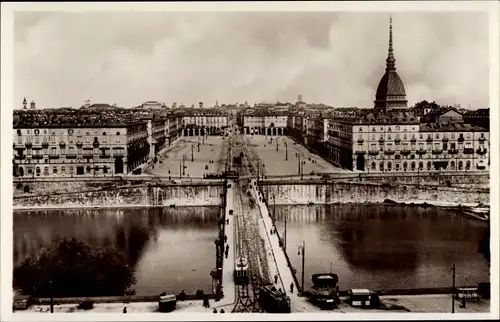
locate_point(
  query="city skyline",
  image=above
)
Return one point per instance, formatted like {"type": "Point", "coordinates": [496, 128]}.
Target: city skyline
{"type": "Point", "coordinates": [186, 57]}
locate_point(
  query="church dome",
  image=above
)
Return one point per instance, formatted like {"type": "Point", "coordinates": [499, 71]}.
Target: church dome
{"type": "Point", "coordinates": [390, 85]}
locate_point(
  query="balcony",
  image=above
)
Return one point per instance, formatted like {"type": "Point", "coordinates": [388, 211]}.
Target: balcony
{"type": "Point", "coordinates": [461, 139]}
{"type": "Point", "coordinates": [19, 157]}
{"type": "Point", "coordinates": [437, 151]}
{"type": "Point", "coordinates": [481, 151]}
{"type": "Point", "coordinates": [405, 152]}
{"type": "Point", "coordinates": [62, 144]}
{"type": "Point", "coordinates": [421, 152]}
{"type": "Point", "coordinates": [95, 144]}
{"type": "Point", "coordinates": [70, 156]}
{"type": "Point", "coordinates": [37, 156]}
{"type": "Point", "coordinates": [468, 151]}
{"type": "Point", "coordinates": [360, 140]}
{"type": "Point", "coordinates": [397, 141]}
{"type": "Point", "coordinates": [88, 155]}
{"type": "Point", "coordinates": [481, 139]}
{"type": "Point", "coordinates": [79, 144]}
{"type": "Point", "coordinates": [381, 141]}
{"type": "Point", "coordinates": [373, 152]}
{"type": "Point", "coordinates": [429, 139]}
{"type": "Point", "coordinates": [45, 145]}
{"type": "Point", "coordinates": [360, 152]}
{"type": "Point", "coordinates": [389, 152]}
{"type": "Point", "coordinates": [53, 156]}
{"type": "Point", "coordinates": [104, 156]}
{"type": "Point", "coordinates": [445, 139]}
{"type": "Point", "coordinates": [413, 140]}
{"type": "Point", "coordinates": [453, 151]}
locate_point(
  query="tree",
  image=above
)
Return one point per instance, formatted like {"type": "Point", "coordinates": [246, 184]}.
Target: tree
{"type": "Point", "coordinates": [74, 268]}
{"type": "Point", "coordinates": [484, 244]}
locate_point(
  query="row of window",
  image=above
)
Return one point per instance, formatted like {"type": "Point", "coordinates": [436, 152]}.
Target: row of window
{"type": "Point", "coordinates": [45, 132]}
{"type": "Point", "coordinates": [421, 136]}
{"type": "Point", "coordinates": [413, 166]}
{"type": "Point", "coordinates": [437, 146]}
{"type": "Point", "coordinates": [63, 170]}
{"type": "Point", "coordinates": [53, 141]}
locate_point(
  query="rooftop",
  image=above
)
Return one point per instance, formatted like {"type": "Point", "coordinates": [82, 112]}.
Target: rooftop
{"type": "Point", "coordinates": [81, 118]}
{"type": "Point", "coordinates": [453, 127]}
{"type": "Point", "coordinates": [395, 116]}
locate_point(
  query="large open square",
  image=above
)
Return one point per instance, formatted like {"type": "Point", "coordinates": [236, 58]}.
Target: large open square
{"type": "Point", "coordinates": [199, 155]}
{"type": "Point", "coordinates": [281, 156]}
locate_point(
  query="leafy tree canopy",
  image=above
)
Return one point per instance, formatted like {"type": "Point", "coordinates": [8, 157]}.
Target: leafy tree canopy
{"type": "Point", "coordinates": [73, 268]}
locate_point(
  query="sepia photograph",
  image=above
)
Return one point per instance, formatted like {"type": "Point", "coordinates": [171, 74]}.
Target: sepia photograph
{"type": "Point", "coordinates": [198, 160]}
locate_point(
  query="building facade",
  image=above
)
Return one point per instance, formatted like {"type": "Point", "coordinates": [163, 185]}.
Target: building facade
{"type": "Point", "coordinates": [264, 123]}
{"type": "Point", "coordinates": [205, 122]}
{"type": "Point", "coordinates": [102, 150]}
{"type": "Point", "coordinates": [70, 151]}
{"type": "Point", "coordinates": [408, 147]}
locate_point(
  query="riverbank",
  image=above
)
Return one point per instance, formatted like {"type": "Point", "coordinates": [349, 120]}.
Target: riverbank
{"type": "Point", "coordinates": [477, 211]}
{"type": "Point", "coordinates": [428, 303]}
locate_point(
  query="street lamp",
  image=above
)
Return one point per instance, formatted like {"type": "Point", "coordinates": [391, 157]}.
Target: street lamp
{"type": "Point", "coordinates": [192, 152]}
{"type": "Point", "coordinates": [302, 251]}
{"type": "Point", "coordinates": [51, 297]}
{"type": "Point", "coordinates": [183, 164]}
{"type": "Point", "coordinates": [274, 208]}
{"type": "Point", "coordinates": [286, 151]}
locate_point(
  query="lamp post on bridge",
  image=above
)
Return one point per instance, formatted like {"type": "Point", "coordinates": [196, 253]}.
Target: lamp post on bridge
{"type": "Point", "coordinates": [192, 152]}
{"type": "Point", "coordinates": [302, 251]}
{"type": "Point", "coordinates": [183, 164]}
{"type": "Point", "coordinates": [286, 151]}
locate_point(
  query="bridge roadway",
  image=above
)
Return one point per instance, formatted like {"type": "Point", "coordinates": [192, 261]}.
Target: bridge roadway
{"type": "Point", "coordinates": [251, 238]}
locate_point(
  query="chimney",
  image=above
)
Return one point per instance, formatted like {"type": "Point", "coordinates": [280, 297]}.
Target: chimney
{"type": "Point", "coordinates": [299, 98]}
{"type": "Point", "coordinates": [200, 104]}
{"type": "Point", "coordinates": [32, 105]}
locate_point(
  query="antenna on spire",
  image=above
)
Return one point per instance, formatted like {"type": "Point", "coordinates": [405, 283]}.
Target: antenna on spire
{"type": "Point", "coordinates": [390, 61]}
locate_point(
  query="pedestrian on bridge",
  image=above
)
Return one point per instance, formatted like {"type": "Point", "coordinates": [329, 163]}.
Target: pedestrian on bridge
{"type": "Point", "coordinates": [291, 287]}
{"type": "Point", "coordinates": [215, 310]}
{"type": "Point", "coordinates": [225, 238]}
{"type": "Point", "coordinates": [276, 279]}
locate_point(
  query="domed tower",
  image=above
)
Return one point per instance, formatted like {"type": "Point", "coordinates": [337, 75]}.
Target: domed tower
{"type": "Point", "coordinates": [391, 90]}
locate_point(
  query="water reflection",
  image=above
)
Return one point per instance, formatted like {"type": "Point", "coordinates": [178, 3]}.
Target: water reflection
{"type": "Point", "coordinates": [170, 248]}
{"type": "Point", "coordinates": [384, 247]}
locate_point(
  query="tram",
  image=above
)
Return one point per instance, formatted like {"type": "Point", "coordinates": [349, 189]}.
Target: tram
{"type": "Point", "coordinates": [273, 300]}
{"type": "Point", "coordinates": [241, 271]}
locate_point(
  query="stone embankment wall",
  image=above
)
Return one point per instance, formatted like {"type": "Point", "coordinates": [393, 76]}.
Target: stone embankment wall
{"type": "Point", "coordinates": [465, 180]}
{"type": "Point", "coordinates": [141, 195]}
{"type": "Point", "coordinates": [362, 192]}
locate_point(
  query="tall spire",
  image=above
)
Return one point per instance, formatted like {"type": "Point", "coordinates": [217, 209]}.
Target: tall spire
{"type": "Point", "coordinates": [390, 61]}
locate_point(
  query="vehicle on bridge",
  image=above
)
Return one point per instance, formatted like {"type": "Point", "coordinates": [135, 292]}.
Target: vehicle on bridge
{"type": "Point", "coordinates": [231, 174]}
{"type": "Point", "coordinates": [273, 300]}
{"type": "Point", "coordinates": [241, 271]}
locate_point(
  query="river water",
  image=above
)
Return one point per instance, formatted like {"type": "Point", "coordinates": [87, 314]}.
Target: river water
{"type": "Point", "coordinates": [376, 247]}
{"type": "Point", "coordinates": [384, 247]}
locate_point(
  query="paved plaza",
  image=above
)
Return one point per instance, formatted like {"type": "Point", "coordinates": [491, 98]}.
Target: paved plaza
{"type": "Point", "coordinates": [277, 163]}
{"type": "Point", "coordinates": [206, 160]}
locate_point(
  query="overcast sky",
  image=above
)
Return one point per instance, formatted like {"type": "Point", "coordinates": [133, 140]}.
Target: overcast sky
{"type": "Point", "coordinates": [62, 59]}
